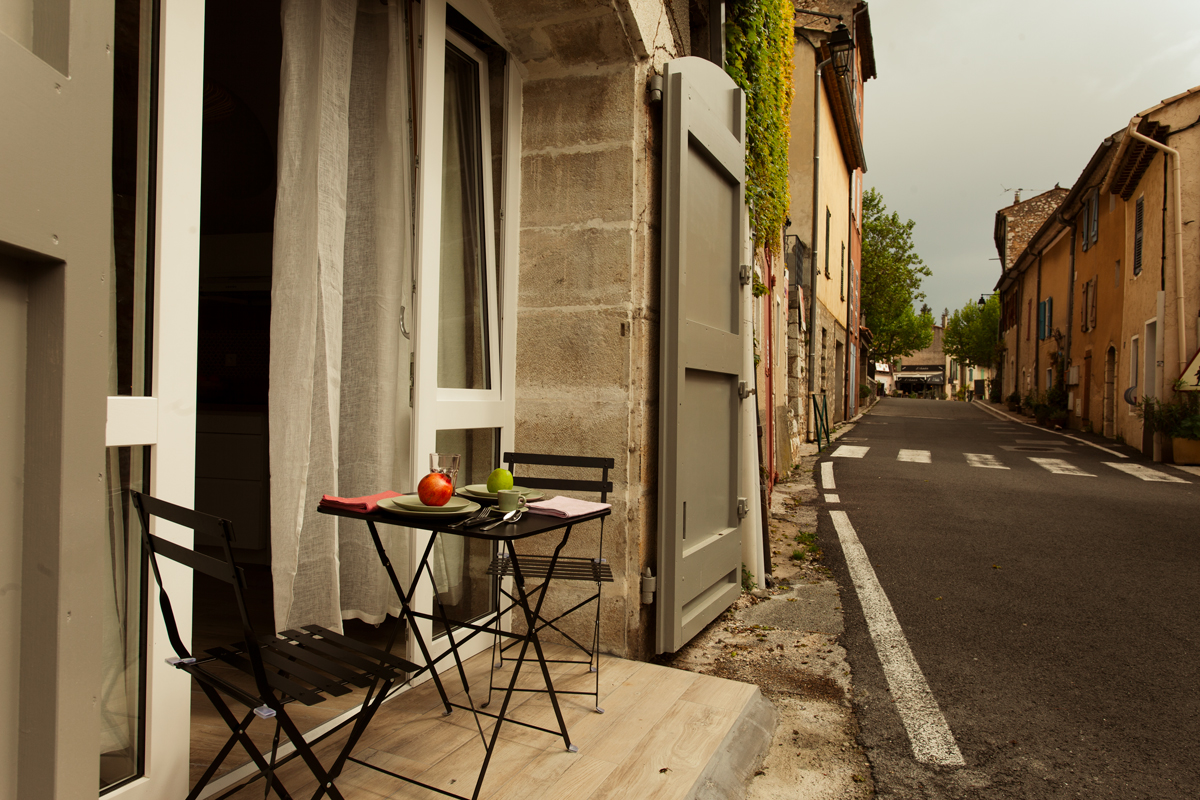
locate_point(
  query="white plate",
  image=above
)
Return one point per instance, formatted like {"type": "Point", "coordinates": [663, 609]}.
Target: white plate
{"type": "Point", "coordinates": [390, 506]}
{"type": "Point", "coordinates": [480, 490]}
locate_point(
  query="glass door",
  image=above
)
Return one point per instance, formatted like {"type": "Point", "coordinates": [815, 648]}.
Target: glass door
{"type": "Point", "coordinates": [464, 298]}
{"type": "Point", "coordinates": [151, 424]}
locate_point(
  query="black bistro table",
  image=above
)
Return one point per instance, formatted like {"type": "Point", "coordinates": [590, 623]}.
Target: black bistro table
{"type": "Point", "coordinates": [505, 537]}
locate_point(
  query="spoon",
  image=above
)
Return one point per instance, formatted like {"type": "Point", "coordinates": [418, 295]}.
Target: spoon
{"type": "Point", "coordinates": [512, 516]}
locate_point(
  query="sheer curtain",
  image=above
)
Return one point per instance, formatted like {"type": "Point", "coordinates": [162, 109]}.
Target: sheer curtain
{"type": "Point", "coordinates": [342, 267]}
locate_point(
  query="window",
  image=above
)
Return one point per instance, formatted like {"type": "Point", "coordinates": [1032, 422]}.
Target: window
{"type": "Point", "coordinates": [1042, 321]}
{"type": "Point", "coordinates": [1117, 275]}
{"type": "Point", "coordinates": [1086, 226]}
{"type": "Point", "coordinates": [466, 312]}
{"type": "Point", "coordinates": [828, 217]}
{"type": "Point", "coordinates": [1137, 235]}
{"type": "Point", "coordinates": [1091, 219]}
{"type": "Point", "coordinates": [1091, 305]}
{"type": "Point", "coordinates": [1049, 378]}
{"type": "Point", "coordinates": [1087, 309]}
{"type": "Point", "coordinates": [1094, 205]}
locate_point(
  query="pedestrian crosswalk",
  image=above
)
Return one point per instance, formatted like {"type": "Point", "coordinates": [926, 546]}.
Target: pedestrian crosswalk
{"type": "Point", "coordinates": [1057, 466]}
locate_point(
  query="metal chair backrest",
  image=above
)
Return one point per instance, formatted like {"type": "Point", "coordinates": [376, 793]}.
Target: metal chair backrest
{"type": "Point", "coordinates": [226, 570]}
{"type": "Point", "coordinates": [603, 486]}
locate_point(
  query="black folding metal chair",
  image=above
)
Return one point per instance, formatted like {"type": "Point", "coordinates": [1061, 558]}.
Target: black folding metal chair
{"type": "Point", "coordinates": [542, 571]}
{"type": "Point", "coordinates": [296, 665]}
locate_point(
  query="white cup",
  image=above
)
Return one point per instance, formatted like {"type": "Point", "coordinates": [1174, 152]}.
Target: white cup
{"type": "Point", "coordinates": [509, 500]}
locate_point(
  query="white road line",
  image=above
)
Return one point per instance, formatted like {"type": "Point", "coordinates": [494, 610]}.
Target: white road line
{"type": "Point", "coordinates": [1145, 473]}
{"type": "Point", "coordinates": [983, 460]}
{"type": "Point", "coordinates": [1060, 467]}
{"type": "Point", "coordinates": [930, 736]}
{"type": "Point", "coordinates": [850, 451]}
{"type": "Point", "coordinates": [915, 456]}
{"type": "Point", "coordinates": [827, 475]}
{"type": "Point", "coordinates": [832, 498]}
{"type": "Point", "coordinates": [1092, 444]}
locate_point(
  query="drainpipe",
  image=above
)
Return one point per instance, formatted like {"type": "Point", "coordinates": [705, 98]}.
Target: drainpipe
{"type": "Point", "coordinates": [1070, 309]}
{"type": "Point", "coordinates": [1178, 202]}
{"type": "Point", "coordinates": [816, 247]}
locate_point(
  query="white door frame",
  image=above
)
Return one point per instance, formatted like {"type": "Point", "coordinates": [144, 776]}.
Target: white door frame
{"type": "Point", "coordinates": [434, 408]}
{"type": "Point", "coordinates": [167, 420]}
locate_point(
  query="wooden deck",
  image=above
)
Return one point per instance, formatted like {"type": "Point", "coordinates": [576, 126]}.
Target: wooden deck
{"type": "Point", "coordinates": [663, 733]}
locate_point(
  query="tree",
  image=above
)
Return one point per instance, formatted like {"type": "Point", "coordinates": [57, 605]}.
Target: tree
{"type": "Point", "coordinates": [972, 334]}
{"type": "Point", "coordinates": [891, 283]}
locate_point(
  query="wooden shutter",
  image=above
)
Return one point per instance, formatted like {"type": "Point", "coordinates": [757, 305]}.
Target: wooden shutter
{"type": "Point", "coordinates": [1041, 320]}
{"type": "Point", "coordinates": [1091, 309]}
{"type": "Point", "coordinates": [1049, 317]}
{"type": "Point", "coordinates": [1137, 236]}
{"type": "Point", "coordinates": [701, 356]}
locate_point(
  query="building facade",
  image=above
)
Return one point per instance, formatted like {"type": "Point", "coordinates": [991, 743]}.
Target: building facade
{"type": "Point", "coordinates": [254, 253]}
{"type": "Point", "coordinates": [824, 239]}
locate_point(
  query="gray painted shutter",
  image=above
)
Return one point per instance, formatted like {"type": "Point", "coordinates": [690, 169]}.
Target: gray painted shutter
{"type": "Point", "coordinates": [699, 542]}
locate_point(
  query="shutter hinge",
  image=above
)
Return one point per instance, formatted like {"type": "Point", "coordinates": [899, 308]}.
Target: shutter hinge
{"type": "Point", "coordinates": [656, 88]}
{"type": "Point", "coordinates": [744, 390]}
{"type": "Point", "coordinates": [649, 586]}
{"type": "Point", "coordinates": [743, 508]}
{"type": "Point", "coordinates": [744, 273]}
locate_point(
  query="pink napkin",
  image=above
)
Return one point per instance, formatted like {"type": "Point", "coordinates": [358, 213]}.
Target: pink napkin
{"type": "Point", "coordinates": [565, 507]}
{"type": "Point", "coordinates": [367, 504]}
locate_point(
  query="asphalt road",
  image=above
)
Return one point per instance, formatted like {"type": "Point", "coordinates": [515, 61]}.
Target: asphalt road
{"type": "Point", "coordinates": [1053, 616]}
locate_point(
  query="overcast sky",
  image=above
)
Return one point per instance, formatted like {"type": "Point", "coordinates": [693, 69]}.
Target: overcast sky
{"type": "Point", "coordinates": [975, 99]}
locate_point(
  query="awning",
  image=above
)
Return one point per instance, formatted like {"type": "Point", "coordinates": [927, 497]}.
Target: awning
{"type": "Point", "coordinates": [921, 377]}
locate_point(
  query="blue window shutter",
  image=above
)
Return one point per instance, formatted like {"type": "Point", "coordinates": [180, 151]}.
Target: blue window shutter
{"type": "Point", "coordinates": [1049, 316]}
{"type": "Point", "coordinates": [1041, 328]}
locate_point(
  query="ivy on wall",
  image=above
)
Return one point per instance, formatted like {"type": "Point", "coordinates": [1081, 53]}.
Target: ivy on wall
{"type": "Point", "coordinates": [759, 44]}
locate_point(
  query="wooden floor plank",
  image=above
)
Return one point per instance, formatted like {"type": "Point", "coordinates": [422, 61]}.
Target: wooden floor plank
{"type": "Point", "coordinates": [634, 707]}
{"type": "Point", "coordinates": [719, 693]}
{"type": "Point", "coordinates": [668, 760]}
{"type": "Point", "coordinates": [656, 718]}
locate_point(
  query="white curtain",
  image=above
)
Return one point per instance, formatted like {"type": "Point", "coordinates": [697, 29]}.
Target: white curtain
{"type": "Point", "coordinates": [342, 271]}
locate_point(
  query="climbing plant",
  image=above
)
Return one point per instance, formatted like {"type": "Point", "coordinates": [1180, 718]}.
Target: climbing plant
{"type": "Point", "coordinates": [759, 44]}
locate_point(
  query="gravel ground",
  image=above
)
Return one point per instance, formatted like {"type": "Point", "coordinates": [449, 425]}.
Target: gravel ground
{"type": "Point", "coordinates": [786, 639]}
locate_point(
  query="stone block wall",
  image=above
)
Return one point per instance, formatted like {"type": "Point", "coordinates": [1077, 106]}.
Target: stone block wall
{"type": "Point", "coordinates": [587, 324]}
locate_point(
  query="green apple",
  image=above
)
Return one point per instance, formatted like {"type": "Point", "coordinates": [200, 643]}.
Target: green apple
{"type": "Point", "coordinates": [499, 479]}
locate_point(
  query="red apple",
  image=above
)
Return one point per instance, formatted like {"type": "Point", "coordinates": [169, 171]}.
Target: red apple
{"type": "Point", "coordinates": [435, 489]}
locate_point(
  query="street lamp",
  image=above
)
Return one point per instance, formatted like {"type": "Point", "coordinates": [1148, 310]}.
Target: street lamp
{"type": "Point", "coordinates": [841, 48]}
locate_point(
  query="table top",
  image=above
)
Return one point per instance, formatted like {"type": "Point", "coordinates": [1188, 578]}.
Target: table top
{"type": "Point", "coordinates": [528, 525]}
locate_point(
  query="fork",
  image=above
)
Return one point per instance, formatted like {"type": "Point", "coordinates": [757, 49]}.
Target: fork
{"type": "Point", "coordinates": [478, 515]}
{"type": "Point", "coordinates": [515, 518]}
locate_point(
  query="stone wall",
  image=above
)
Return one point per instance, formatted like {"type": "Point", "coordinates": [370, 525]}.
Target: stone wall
{"type": "Point", "coordinates": [587, 340]}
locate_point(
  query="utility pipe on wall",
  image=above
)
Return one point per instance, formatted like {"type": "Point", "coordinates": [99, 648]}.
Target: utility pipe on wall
{"type": "Point", "coordinates": [1178, 202]}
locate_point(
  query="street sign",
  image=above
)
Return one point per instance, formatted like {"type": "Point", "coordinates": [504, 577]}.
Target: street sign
{"type": "Point", "coordinates": [1189, 381]}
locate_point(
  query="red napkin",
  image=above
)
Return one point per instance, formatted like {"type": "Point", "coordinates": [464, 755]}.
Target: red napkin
{"type": "Point", "coordinates": [367, 505]}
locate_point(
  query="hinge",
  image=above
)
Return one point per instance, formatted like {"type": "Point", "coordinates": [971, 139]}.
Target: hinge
{"type": "Point", "coordinates": [649, 586]}
{"type": "Point", "coordinates": [744, 390]}
{"type": "Point", "coordinates": [744, 273]}
{"type": "Point", "coordinates": [743, 508]}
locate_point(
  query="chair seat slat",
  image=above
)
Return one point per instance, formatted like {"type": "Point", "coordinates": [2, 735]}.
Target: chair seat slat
{"type": "Point", "coordinates": [325, 646]}
{"type": "Point", "coordinates": [365, 649]}
{"type": "Point", "coordinates": [315, 659]}
{"type": "Point", "coordinates": [277, 681]}
{"type": "Point", "coordinates": [289, 662]}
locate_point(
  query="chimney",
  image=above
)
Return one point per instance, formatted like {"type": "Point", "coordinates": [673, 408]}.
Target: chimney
{"type": "Point", "coordinates": [1016, 197]}
{"type": "Point", "coordinates": [945, 318]}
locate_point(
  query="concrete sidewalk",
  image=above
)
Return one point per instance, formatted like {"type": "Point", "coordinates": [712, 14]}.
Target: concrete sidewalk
{"type": "Point", "coordinates": [786, 640]}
